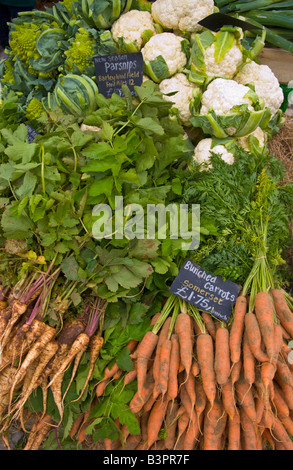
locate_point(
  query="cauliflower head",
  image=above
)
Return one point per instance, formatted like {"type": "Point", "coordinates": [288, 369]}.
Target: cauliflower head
{"type": "Point", "coordinates": [228, 66]}
{"type": "Point", "coordinates": [183, 15]}
{"type": "Point", "coordinates": [203, 150]}
{"type": "Point", "coordinates": [182, 99]}
{"type": "Point", "coordinates": [258, 133]}
{"type": "Point", "coordinates": [266, 84]}
{"type": "Point", "coordinates": [134, 27]}
{"type": "Point", "coordinates": [222, 94]}
{"type": "Point", "coordinates": [163, 56]}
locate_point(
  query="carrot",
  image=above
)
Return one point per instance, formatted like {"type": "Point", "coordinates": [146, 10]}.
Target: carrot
{"type": "Point", "coordinates": [259, 408]}
{"type": "Point", "coordinates": [82, 431]}
{"type": "Point", "coordinates": [222, 355]}
{"type": "Point", "coordinates": [107, 443]}
{"type": "Point", "coordinates": [248, 361]}
{"type": "Point", "coordinates": [284, 372]}
{"type": "Point", "coordinates": [184, 330]}
{"type": "Point", "coordinates": [171, 425]}
{"type": "Point", "coordinates": [130, 376]}
{"type": "Point", "coordinates": [139, 399]}
{"type": "Point", "coordinates": [201, 399]}
{"type": "Point", "coordinates": [205, 356]}
{"type": "Point", "coordinates": [165, 354]}
{"type": "Point", "coordinates": [38, 433]}
{"type": "Point", "coordinates": [190, 388]}
{"type": "Point", "coordinates": [237, 328]}
{"type": "Point", "coordinates": [76, 347]}
{"type": "Point", "coordinates": [278, 339]}
{"type": "Point", "coordinates": [286, 390]}
{"type": "Point", "coordinates": [254, 337]}
{"type": "Point", "coordinates": [267, 375]}
{"type": "Point", "coordinates": [280, 434]}
{"type": "Point", "coordinates": [183, 422]}
{"type": "Point", "coordinates": [162, 337]}
{"type": "Point", "coordinates": [33, 353]}
{"type": "Point", "coordinates": [235, 372]}
{"type": "Point", "coordinates": [245, 398]}
{"type": "Point", "coordinates": [145, 350]}
{"type": "Point", "coordinates": [172, 390]}
{"type": "Point", "coordinates": [234, 432]}
{"type": "Point", "coordinates": [264, 311]}
{"type": "Point", "coordinates": [132, 442]}
{"type": "Point", "coordinates": [228, 398]}
{"type": "Point", "coordinates": [248, 428]}
{"type": "Point", "coordinates": [283, 311]}
{"type": "Point", "coordinates": [155, 421]}
{"type": "Point", "coordinates": [214, 425]}
{"type": "Point", "coordinates": [149, 403]}
{"type": "Point", "coordinates": [100, 388]}
{"type": "Point", "coordinates": [209, 324]}
{"type": "Point", "coordinates": [192, 432]}
{"type": "Point", "coordinates": [287, 423]}
{"type": "Point", "coordinates": [195, 368]}
{"type": "Point", "coordinates": [76, 425]}
{"type": "Point", "coordinates": [280, 403]}
{"type": "Point", "coordinates": [185, 400]}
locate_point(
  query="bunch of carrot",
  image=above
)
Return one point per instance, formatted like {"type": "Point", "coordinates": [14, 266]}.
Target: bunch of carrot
{"type": "Point", "coordinates": [34, 354]}
{"type": "Point", "coordinates": [206, 385]}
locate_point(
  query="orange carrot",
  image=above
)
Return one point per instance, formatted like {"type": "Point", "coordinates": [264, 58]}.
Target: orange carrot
{"type": "Point", "coordinates": [75, 425]}
{"type": "Point", "coordinates": [284, 372]}
{"type": "Point", "coordinates": [286, 390]}
{"type": "Point", "coordinates": [144, 352]}
{"type": "Point", "coordinates": [235, 372]}
{"type": "Point", "coordinates": [185, 335]}
{"type": "Point", "coordinates": [248, 361]}
{"type": "Point", "coordinates": [192, 432]}
{"type": "Point", "coordinates": [234, 432]}
{"type": "Point", "coordinates": [280, 403]}
{"type": "Point", "coordinates": [190, 388]}
{"type": "Point", "coordinates": [183, 422]}
{"type": "Point", "coordinates": [228, 398]}
{"type": "Point", "coordinates": [171, 425]}
{"type": "Point", "coordinates": [165, 354]}
{"type": "Point", "coordinates": [254, 337]}
{"type": "Point", "coordinates": [264, 311]}
{"type": "Point", "coordinates": [237, 328]}
{"type": "Point", "coordinates": [139, 399]}
{"type": "Point", "coordinates": [248, 428]}
{"type": "Point", "coordinates": [245, 398]}
{"type": "Point", "coordinates": [259, 408]}
{"type": "Point", "coordinates": [283, 311]}
{"type": "Point", "coordinates": [205, 356]}
{"type": "Point", "coordinates": [155, 421]}
{"type": "Point", "coordinates": [278, 339]}
{"type": "Point", "coordinates": [280, 434]}
{"type": "Point", "coordinates": [195, 368]}
{"type": "Point", "coordinates": [214, 425]}
{"type": "Point", "coordinates": [172, 390]}
{"type": "Point", "coordinates": [222, 355]}
{"type": "Point", "coordinates": [287, 423]}
{"type": "Point", "coordinates": [162, 336]}
{"type": "Point", "coordinates": [267, 375]}
{"type": "Point", "coordinates": [209, 324]}
{"type": "Point", "coordinates": [201, 398]}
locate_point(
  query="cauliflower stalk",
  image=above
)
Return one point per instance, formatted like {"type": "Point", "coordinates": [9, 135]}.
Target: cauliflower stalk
{"type": "Point", "coordinates": [183, 94]}
{"type": "Point", "coordinates": [164, 55]}
{"type": "Point", "coordinates": [182, 15]}
{"type": "Point", "coordinates": [230, 109]}
{"type": "Point", "coordinates": [133, 29]}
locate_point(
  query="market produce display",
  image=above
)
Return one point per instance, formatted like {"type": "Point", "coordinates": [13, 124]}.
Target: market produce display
{"type": "Point", "coordinates": [94, 345]}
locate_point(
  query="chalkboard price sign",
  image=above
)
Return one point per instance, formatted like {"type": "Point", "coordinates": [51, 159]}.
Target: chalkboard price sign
{"type": "Point", "coordinates": [113, 71]}
{"type": "Point", "coordinates": [206, 291]}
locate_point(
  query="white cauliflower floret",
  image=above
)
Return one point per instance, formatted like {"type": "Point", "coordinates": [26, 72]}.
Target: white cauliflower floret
{"type": "Point", "coordinates": [260, 135]}
{"type": "Point", "coordinates": [180, 83]}
{"type": "Point", "coordinates": [228, 66]}
{"type": "Point", "coordinates": [131, 25]}
{"type": "Point", "coordinates": [266, 84]}
{"type": "Point", "coordinates": [168, 45]}
{"type": "Point", "coordinates": [222, 94]}
{"type": "Point", "coordinates": [183, 15]}
{"type": "Point", "coordinates": [203, 151]}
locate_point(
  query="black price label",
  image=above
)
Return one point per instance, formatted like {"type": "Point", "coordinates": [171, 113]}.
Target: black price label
{"type": "Point", "coordinates": [205, 291]}
{"type": "Point", "coordinates": [31, 133]}
{"type": "Point", "coordinates": [113, 71]}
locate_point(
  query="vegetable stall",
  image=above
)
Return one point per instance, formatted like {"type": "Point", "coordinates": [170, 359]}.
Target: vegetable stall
{"type": "Point", "coordinates": [98, 348]}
